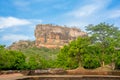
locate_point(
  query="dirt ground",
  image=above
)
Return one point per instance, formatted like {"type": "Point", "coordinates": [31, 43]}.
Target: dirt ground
{"type": "Point", "coordinates": [10, 76]}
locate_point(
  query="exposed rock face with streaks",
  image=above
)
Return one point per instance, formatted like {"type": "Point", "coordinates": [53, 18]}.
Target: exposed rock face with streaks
{"type": "Point", "coordinates": [52, 36]}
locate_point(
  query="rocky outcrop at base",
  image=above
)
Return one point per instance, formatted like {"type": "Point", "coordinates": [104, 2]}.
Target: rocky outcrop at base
{"type": "Point", "coordinates": [22, 44]}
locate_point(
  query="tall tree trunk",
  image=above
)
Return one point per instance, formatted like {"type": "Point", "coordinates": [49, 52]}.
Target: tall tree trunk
{"type": "Point", "coordinates": [103, 64]}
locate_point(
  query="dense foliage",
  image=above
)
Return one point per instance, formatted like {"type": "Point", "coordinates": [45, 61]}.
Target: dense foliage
{"type": "Point", "coordinates": [31, 58]}
{"type": "Point", "coordinates": [99, 48]}
{"type": "Point", "coordinates": [78, 53]}
{"type": "Point", "coordinates": [10, 59]}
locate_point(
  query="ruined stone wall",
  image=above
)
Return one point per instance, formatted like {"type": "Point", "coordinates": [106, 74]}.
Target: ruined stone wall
{"type": "Point", "coordinates": [52, 36]}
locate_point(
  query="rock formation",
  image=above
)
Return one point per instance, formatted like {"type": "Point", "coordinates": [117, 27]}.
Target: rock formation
{"type": "Point", "coordinates": [52, 36]}
{"type": "Point", "coordinates": [22, 44]}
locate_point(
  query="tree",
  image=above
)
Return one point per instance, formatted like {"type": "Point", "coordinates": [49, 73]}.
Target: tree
{"type": "Point", "coordinates": [18, 59]}
{"type": "Point", "coordinates": [63, 60]}
{"type": "Point", "coordinates": [106, 37]}
{"type": "Point", "coordinates": [71, 55]}
{"type": "Point", "coordinates": [33, 63]}
{"type": "Point", "coordinates": [10, 59]}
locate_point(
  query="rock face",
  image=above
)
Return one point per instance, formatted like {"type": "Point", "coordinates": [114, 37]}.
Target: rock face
{"type": "Point", "coordinates": [22, 44]}
{"type": "Point", "coordinates": [52, 36]}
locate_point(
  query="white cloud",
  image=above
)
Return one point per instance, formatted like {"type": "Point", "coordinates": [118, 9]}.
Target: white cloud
{"type": "Point", "coordinates": [25, 5]}
{"type": "Point", "coordinates": [88, 9]}
{"type": "Point", "coordinates": [19, 26]}
{"type": "Point", "coordinates": [14, 37]}
{"type": "Point", "coordinates": [6, 22]}
{"type": "Point", "coordinates": [1, 30]}
{"type": "Point", "coordinates": [114, 14]}
{"type": "Point", "coordinates": [83, 11]}
{"type": "Point", "coordinates": [91, 12]}
{"type": "Point", "coordinates": [36, 21]}
{"type": "Point", "coordinates": [80, 24]}
{"type": "Point", "coordinates": [21, 3]}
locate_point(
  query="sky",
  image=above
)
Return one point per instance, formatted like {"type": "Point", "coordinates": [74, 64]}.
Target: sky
{"type": "Point", "coordinates": [18, 18]}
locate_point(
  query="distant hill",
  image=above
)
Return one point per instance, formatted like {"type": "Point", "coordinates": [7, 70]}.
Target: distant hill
{"type": "Point", "coordinates": [29, 49]}
{"type": "Point", "coordinates": [22, 44]}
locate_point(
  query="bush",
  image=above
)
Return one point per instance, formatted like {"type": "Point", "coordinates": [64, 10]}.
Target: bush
{"type": "Point", "coordinates": [10, 59]}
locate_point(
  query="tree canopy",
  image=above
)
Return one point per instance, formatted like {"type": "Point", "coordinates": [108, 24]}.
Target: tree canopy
{"type": "Point", "coordinates": [106, 37]}
{"type": "Point", "coordinates": [10, 59]}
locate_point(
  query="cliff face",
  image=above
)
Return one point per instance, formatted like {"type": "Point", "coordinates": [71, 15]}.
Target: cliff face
{"type": "Point", "coordinates": [52, 36]}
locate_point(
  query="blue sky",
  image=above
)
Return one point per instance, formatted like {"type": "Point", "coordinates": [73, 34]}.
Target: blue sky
{"type": "Point", "coordinates": [18, 18]}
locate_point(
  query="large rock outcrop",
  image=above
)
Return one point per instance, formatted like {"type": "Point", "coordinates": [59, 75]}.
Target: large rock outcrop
{"type": "Point", "coordinates": [52, 36]}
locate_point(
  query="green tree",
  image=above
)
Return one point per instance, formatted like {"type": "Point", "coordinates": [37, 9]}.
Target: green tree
{"type": "Point", "coordinates": [71, 55]}
{"type": "Point", "coordinates": [106, 37]}
{"type": "Point", "coordinates": [62, 58]}
{"type": "Point", "coordinates": [32, 63]}
{"type": "Point", "coordinates": [5, 58]}
{"type": "Point", "coordinates": [18, 59]}
{"type": "Point", "coordinates": [10, 59]}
